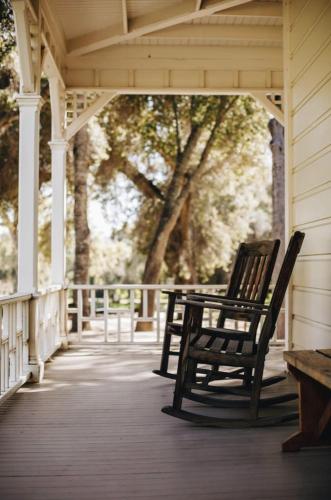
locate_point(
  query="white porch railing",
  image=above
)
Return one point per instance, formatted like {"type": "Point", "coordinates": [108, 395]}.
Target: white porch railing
{"type": "Point", "coordinates": [32, 328]}
{"type": "Point", "coordinates": [113, 312]}
{"type": "Point", "coordinates": [14, 337]}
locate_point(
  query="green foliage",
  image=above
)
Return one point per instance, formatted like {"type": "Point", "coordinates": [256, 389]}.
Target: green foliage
{"type": "Point", "coordinates": [229, 200]}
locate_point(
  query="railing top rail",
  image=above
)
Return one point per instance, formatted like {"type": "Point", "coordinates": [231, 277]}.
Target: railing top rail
{"type": "Point", "coordinates": [163, 286]}
{"type": "Point", "coordinates": [15, 297]}
{"type": "Point", "coordinates": [48, 290]}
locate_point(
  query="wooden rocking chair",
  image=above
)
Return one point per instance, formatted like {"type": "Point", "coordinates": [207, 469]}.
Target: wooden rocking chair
{"type": "Point", "coordinates": [250, 280]}
{"type": "Point", "coordinates": [248, 354]}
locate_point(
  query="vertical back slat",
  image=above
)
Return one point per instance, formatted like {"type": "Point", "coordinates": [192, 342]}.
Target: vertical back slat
{"type": "Point", "coordinates": [247, 274]}
{"type": "Point", "coordinates": [262, 260]}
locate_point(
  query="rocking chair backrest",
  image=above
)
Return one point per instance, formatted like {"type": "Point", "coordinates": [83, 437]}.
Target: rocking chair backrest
{"type": "Point", "coordinates": [251, 274]}
{"type": "Point", "coordinates": [278, 295]}
{"type": "Point", "coordinates": [285, 273]}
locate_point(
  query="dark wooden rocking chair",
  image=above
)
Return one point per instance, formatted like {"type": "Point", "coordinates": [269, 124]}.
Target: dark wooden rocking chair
{"type": "Point", "coordinates": [249, 354]}
{"type": "Point", "coordinates": [250, 280]}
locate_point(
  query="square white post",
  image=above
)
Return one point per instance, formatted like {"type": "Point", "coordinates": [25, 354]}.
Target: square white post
{"type": "Point", "coordinates": [29, 107]}
{"type": "Point", "coordinates": [58, 149]}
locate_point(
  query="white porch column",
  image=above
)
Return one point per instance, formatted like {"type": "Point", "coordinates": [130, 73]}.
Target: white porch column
{"type": "Point", "coordinates": [29, 107]}
{"type": "Point", "coordinates": [58, 149]}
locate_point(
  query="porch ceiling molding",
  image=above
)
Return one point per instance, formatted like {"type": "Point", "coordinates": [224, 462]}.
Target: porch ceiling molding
{"type": "Point", "coordinates": [183, 69]}
{"type": "Point", "coordinates": [164, 18]}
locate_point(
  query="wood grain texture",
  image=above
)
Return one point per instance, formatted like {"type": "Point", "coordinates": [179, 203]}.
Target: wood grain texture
{"type": "Point", "coordinates": [314, 364]}
{"type": "Point", "coordinates": [94, 430]}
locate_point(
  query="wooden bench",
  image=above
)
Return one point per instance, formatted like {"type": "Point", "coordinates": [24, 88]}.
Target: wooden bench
{"type": "Point", "coordinates": [312, 370]}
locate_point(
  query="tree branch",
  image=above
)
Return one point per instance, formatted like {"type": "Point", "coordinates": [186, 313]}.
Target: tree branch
{"type": "Point", "coordinates": [178, 141]}
{"type": "Point", "coordinates": [221, 113]}
{"type": "Point", "coordinates": [120, 164]}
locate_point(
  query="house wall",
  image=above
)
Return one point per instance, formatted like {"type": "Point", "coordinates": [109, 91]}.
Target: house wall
{"type": "Point", "coordinates": [307, 45]}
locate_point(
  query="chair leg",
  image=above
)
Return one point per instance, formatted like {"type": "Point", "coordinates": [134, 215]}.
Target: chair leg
{"type": "Point", "coordinates": [256, 389]}
{"type": "Point", "coordinates": [247, 377]}
{"type": "Point", "coordinates": [180, 384]}
{"type": "Point", "coordinates": [191, 371]}
{"type": "Point", "coordinates": [165, 353]}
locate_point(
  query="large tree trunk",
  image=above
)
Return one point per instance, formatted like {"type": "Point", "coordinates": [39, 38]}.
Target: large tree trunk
{"type": "Point", "coordinates": [81, 150]}
{"type": "Point", "coordinates": [180, 256]}
{"type": "Point", "coordinates": [184, 177]}
{"type": "Point", "coordinates": [278, 199]}
{"type": "Point", "coordinates": [169, 216]}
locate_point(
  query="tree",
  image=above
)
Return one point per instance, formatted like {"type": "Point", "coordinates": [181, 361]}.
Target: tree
{"type": "Point", "coordinates": [81, 162]}
{"type": "Point", "coordinates": [278, 199]}
{"type": "Point", "coordinates": [170, 146]}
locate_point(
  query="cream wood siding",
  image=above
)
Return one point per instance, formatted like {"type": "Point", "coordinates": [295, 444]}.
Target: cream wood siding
{"type": "Point", "coordinates": [308, 55]}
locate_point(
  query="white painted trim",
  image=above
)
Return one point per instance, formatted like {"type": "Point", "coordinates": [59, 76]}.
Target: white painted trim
{"type": "Point", "coordinates": [125, 17]}
{"type": "Point", "coordinates": [175, 90]}
{"type": "Point", "coordinates": [287, 105]}
{"type": "Point", "coordinates": [255, 9]}
{"type": "Point", "coordinates": [270, 106]}
{"type": "Point", "coordinates": [198, 4]}
{"type": "Point", "coordinates": [92, 110]}
{"type": "Point", "coordinates": [57, 107]}
{"type": "Point", "coordinates": [29, 107]}
{"type": "Point", "coordinates": [58, 253]}
{"type": "Point", "coordinates": [24, 46]}
{"type": "Point", "coordinates": [169, 16]}
{"type": "Point", "coordinates": [51, 68]}
{"type": "Point", "coordinates": [221, 32]}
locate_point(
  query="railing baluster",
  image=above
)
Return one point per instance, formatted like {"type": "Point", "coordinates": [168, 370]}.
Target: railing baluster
{"type": "Point", "coordinates": [145, 303]}
{"type": "Point", "coordinates": [105, 312]}
{"type": "Point", "coordinates": [124, 318]}
{"type": "Point", "coordinates": [92, 314]}
{"type": "Point", "coordinates": [158, 312]}
{"type": "Point", "coordinates": [79, 313]}
{"type": "Point", "coordinates": [132, 292]}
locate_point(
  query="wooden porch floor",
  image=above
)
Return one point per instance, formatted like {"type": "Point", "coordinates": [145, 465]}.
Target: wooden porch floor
{"type": "Point", "coordinates": [94, 431]}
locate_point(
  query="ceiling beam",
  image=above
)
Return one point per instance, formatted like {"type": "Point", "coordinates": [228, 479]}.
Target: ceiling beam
{"type": "Point", "coordinates": [256, 9]}
{"type": "Point", "coordinates": [165, 57]}
{"type": "Point", "coordinates": [164, 18]}
{"type": "Point", "coordinates": [125, 18]}
{"type": "Point", "coordinates": [221, 32]}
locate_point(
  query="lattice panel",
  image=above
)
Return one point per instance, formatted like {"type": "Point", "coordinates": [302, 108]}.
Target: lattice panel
{"type": "Point", "coordinates": [77, 103]}
{"type": "Point", "coordinates": [276, 99]}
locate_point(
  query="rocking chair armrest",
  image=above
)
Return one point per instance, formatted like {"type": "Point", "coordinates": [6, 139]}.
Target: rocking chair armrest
{"type": "Point", "coordinates": [234, 301]}
{"type": "Point", "coordinates": [240, 309]}
{"type": "Point", "coordinates": [175, 293]}
{"type": "Point", "coordinates": [195, 294]}
{"type": "Point", "coordinates": [205, 296]}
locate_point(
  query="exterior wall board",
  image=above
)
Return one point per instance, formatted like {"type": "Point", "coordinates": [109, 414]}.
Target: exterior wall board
{"type": "Point", "coordinates": [308, 59]}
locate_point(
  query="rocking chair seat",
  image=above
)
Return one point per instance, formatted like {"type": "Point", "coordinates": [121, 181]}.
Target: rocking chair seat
{"type": "Point", "coordinates": [209, 356]}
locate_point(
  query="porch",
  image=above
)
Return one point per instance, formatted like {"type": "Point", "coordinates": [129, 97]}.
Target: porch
{"type": "Point", "coordinates": [94, 429]}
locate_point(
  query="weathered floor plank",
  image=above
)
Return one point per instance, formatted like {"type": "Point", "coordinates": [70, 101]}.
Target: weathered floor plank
{"type": "Point", "coordinates": [93, 430]}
